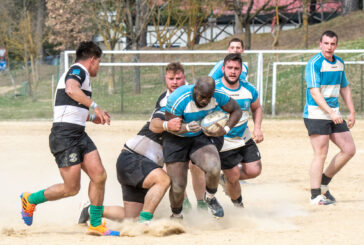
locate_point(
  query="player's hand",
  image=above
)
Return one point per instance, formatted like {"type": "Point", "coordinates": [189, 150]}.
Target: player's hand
{"type": "Point", "coordinates": [220, 131]}
{"type": "Point", "coordinates": [258, 135]}
{"type": "Point", "coordinates": [193, 127]}
{"type": "Point", "coordinates": [174, 124]}
{"type": "Point", "coordinates": [101, 117]}
{"type": "Point", "coordinates": [351, 120]}
{"type": "Point", "coordinates": [336, 118]}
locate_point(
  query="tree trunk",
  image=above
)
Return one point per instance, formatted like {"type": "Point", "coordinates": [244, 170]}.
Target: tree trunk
{"type": "Point", "coordinates": [137, 87]}
{"type": "Point", "coordinates": [248, 36]}
{"type": "Point", "coordinates": [305, 25]}
{"type": "Point", "coordinates": [238, 27]}
{"type": "Point", "coordinates": [111, 81]}
{"type": "Point", "coordinates": [349, 6]}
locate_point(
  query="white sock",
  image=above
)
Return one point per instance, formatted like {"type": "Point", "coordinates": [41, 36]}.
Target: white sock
{"type": "Point", "coordinates": [209, 196]}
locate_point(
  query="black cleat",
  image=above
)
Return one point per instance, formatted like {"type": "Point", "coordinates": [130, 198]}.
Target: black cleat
{"type": "Point", "coordinates": [215, 207]}
{"type": "Point", "coordinates": [85, 215]}
{"type": "Point", "coordinates": [328, 195]}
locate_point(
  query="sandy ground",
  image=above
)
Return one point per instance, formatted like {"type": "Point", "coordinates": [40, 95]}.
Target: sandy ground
{"type": "Point", "coordinates": [277, 209]}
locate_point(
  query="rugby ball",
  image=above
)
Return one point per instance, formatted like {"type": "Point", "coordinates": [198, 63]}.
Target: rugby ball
{"type": "Point", "coordinates": [219, 117]}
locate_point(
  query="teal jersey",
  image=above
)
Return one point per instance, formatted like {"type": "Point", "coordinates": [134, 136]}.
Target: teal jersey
{"type": "Point", "coordinates": [244, 95]}
{"type": "Point", "coordinates": [329, 77]}
{"type": "Point", "coordinates": [181, 103]}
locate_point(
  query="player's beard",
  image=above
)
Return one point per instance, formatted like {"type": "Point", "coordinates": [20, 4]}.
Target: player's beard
{"type": "Point", "coordinates": [229, 81]}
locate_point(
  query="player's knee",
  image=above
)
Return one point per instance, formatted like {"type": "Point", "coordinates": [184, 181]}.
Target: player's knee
{"type": "Point", "coordinates": [71, 190]}
{"type": "Point", "coordinates": [350, 151]}
{"type": "Point", "coordinates": [100, 179]}
{"type": "Point", "coordinates": [164, 181]}
{"type": "Point", "coordinates": [232, 175]}
{"type": "Point", "coordinates": [178, 188]}
{"type": "Point", "coordinates": [254, 170]}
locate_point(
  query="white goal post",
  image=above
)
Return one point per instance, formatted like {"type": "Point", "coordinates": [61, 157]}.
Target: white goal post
{"type": "Point", "coordinates": [259, 64]}
{"type": "Point", "coordinates": [274, 77]}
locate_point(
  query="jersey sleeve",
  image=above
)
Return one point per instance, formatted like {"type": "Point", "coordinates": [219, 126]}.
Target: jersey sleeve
{"type": "Point", "coordinates": [313, 74]}
{"type": "Point", "coordinates": [159, 114]}
{"type": "Point", "coordinates": [221, 97]}
{"type": "Point", "coordinates": [216, 72]}
{"type": "Point", "coordinates": [76, 73]}
{"type": "Point", "coordinates": [175, 103]}
{"type": "Point", "coordinates": [344, 81]}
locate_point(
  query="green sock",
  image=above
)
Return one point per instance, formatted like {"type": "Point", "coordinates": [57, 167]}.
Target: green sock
{"type": "Point", "coordinates": [37, 197]}
{"type": "Point", "coordinates": [201, 204]}
{"type": "Point", "coordinates": [96, 215]}
{"type": "Point", "coordinates": [145, 216]}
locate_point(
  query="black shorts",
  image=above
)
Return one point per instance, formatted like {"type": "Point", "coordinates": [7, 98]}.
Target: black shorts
{"type": "Point", "coordinates": [69, 151]}
{"type": "Point", "coordinates": [179, 149]}
{"type": "Point", "coordinates": [247, 153]}
{"type": "Point", "coordinates": [324, 127]}
{"type": "Point", "coordinates": [132, 169]}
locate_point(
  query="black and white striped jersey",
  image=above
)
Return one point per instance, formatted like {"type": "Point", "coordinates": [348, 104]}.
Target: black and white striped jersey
{"type": "Point", "coordinates": [68, 114]}
{"type": "Point", "coordinates": [147, 143]}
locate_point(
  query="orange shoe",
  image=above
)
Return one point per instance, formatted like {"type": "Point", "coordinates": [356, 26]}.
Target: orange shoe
{"type": "Point", "coordinates": [101, 230]}
{"type": "Point", "coordinates": [27, 209]}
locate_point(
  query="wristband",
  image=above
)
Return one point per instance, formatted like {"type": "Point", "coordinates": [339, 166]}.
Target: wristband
{"type": "Point", "coordinates": [188, 128]}
{"type": "Point", "coordinates": [227, 129]}
{"type": "Point", "coordinates": [165, 125]}
{"type": "Point", "coordinates": [92, 117]}
{"type": "Point", "coordinates": [94, 105]}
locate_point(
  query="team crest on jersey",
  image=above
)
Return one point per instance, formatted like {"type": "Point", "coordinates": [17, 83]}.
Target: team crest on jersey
{"type": "Point", "coordinates": [73, 157]}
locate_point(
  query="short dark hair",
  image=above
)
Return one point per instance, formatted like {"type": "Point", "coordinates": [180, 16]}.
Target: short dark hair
{"type": "Point", "coordinates": [238, 40]}
{"type": "Point", "coordinates": [329, 34]}
{"type": "Point", "coordinates": [233, 57]}
{"type": "Point", "coordinates": [88, 49]}
{"type": "Point", "coordinates": [175, 67]}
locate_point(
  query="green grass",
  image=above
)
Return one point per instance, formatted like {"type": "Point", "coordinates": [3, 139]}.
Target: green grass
{"type": "Point", "coordinates": [125, 104]}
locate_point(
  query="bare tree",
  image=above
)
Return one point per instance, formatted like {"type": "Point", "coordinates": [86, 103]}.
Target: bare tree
{"type": "Point", "coordinates": [349, 6]}
{"type": "Point", "coordinates": [245, 17]}
{"type": "Point", "coordinates": [137, 15]}
{"type": "Point", "coordinates": [108, 17]}
{"type": "Point", "coordinates": [69, 22]}
{"type": "Point", "coordinates": [305, 6]}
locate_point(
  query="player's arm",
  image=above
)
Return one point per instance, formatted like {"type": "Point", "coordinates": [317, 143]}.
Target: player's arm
{"type": "Point", "coordinates": [158, 125]}
{"type": "Point", "coordinates": [233, 108]}
{"type": "Point", "coordinates": [73, 90]}
{"type": "Point", "coordinates": [348, 99]}
{"type": "Point", "coordinates": [257, 113]}
{"type": "Point", "coordinates": [185, 127]}
{"type": "Point", "coordinates": [321, 102]}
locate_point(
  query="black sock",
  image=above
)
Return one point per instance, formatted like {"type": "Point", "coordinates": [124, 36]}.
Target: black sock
{"type": "Point", "coordinates": [177, 210]}
{"type": "Point", "coordinates": [315, 192]}
{"type": "Point", "coordinates": [239, 200]}
{"type": "Point", "coordinates": [211, 191]}
{"type": "Point", "coordinates": [325, 180]}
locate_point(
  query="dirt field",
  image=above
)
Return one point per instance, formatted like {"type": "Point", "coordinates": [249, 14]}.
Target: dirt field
{"type": "Point", "coordinates": [277, 209]}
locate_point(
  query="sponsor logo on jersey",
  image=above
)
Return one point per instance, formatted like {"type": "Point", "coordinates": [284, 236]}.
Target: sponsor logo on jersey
{"type": "Point", "coordinates": [76, 72]}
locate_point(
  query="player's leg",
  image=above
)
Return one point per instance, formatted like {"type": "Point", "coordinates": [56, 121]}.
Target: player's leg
{"type": "Point", "coordinates": [345, 142]}
{"type": "Point", "coordinates": [198, 184]}
{"type": "Point", "coordinates": [133, 199]}
{"type": "Point", "coordinates": [71, 184]}
{"type": "Point", "coordinates": [93, 167]}
{"type": "Point", "coordinates": [346, 145]}
{"type": "Point", "coordinates": [252, 165]}
{"type": "Point", "coordinates": [232, 182]}
{"type": "Point", "coordinates": [320, 145]}
{"type": "Point", "coordinates": [157, 183]}
{"type": "Point", "coordinates": [68, 161]}
{"type": "Point", "coordinates": [207, 158]}
{"type": "Point", "coordinates": [250, 170]}
{"type": "Point", "coordinates": [177, 172]}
